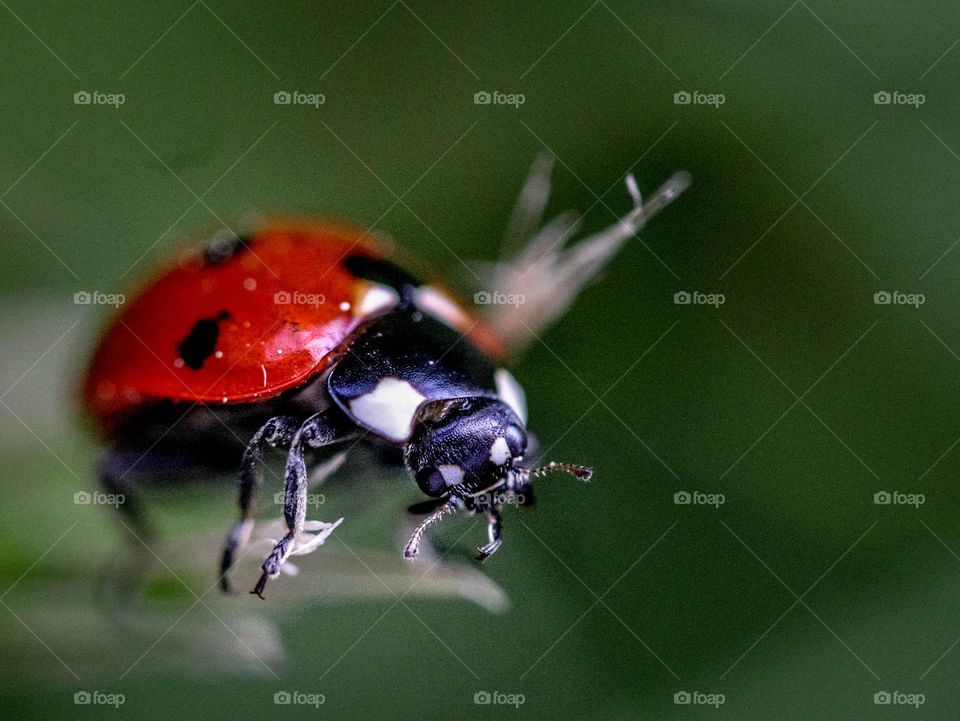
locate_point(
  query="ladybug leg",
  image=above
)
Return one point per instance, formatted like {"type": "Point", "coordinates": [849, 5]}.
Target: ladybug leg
{"type": "Point", "coordinates": [277, 432]}
{"type": "Point", "coordinates": [321, 429]}
{"type": "Point", "coordinates": [122, 472]}
{"type": "Point", "coordinates": [115, 472]}
{"type": "Point", "coordinates": [495, 532]}
{"type": "Point", "coordinates": [413, 545]}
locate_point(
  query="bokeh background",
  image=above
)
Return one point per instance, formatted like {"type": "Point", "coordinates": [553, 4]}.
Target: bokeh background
{"type": "Point", "coordinates": [798, 398]}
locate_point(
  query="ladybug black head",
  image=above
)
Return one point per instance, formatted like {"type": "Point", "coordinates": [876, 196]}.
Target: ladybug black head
{"type": "Point", "coordinates": [467, 442]}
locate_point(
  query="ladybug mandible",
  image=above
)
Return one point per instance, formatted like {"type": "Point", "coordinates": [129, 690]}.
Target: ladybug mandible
{"type": "Point", "coordinates": [304, 337]}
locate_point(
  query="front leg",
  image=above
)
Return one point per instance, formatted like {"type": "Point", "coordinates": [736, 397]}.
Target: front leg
{"type": "Point", "coordinates": [321, 429]}
{"type": "Point", "coordinates": [495, 533]}
{"type": "Point", "coordinates": [413, 545]}
{"type": "Point", "coordinates": [451, 504]}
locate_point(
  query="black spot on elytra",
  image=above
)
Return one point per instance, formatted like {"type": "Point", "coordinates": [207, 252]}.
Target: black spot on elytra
{"type": "Point", "coordinates": [223, 248]}
{"type": "Point", "coordinates": [380, 271]}
{"type": "Point", "coordinates": [201, 341]}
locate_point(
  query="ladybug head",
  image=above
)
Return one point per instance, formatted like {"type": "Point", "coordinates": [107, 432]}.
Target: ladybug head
{"type": "Point", "coordinates": [472, 444]}
{"type": "Point", "coordinates": [468, 442]}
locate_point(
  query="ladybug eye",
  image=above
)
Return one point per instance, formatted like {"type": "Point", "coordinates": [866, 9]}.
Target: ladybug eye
{"type": "Point", "coordinates": [517, 440]}
{"type": "Point", "coordinates": [436, 480]}
{"type": "Point", "coordinates": [430, 481]}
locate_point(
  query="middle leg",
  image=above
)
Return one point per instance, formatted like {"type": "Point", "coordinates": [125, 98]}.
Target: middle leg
{"type": "Point", "coordinates": [277, 432]}
{"type": "Point", "coordinates": [321, 429]}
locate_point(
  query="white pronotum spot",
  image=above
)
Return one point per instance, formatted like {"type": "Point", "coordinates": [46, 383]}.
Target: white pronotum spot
{"type": "Point", "coordinates": [499, 452]}
{"type": "Point", "coordinates": [389, 408]}
{"type": "Point", "coordinates": [435, 303]}
{"type": "Point", "coordinates": [376, 298]}
{"type": "Point", "coordinates": [510, 392]}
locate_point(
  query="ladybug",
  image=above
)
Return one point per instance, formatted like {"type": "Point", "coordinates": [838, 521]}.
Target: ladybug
{"type": "Point", "coordinates": [305, 337]}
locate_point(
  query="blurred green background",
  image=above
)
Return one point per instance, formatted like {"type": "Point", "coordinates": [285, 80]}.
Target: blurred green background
{"type": "Point", "coordinates": [798, 399]}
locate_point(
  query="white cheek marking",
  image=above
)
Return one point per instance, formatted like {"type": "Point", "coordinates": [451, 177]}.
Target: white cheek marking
{"type": "Point", "coordinates": [452, 475]}
{"type": "Point", "coordinates": [499, 452]}
{"type": "Point", "coordinates": [377, 298]}
{"type": "Point", "coordinates": [389, 408]}
{"type": "Point", "coordinates": [510, 392]}
{"type": "Point", "coordinates": [436, 304]}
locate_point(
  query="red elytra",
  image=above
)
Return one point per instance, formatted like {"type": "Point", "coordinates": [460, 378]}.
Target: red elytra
{"type": "Point", "coordinates": [265, 346]}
